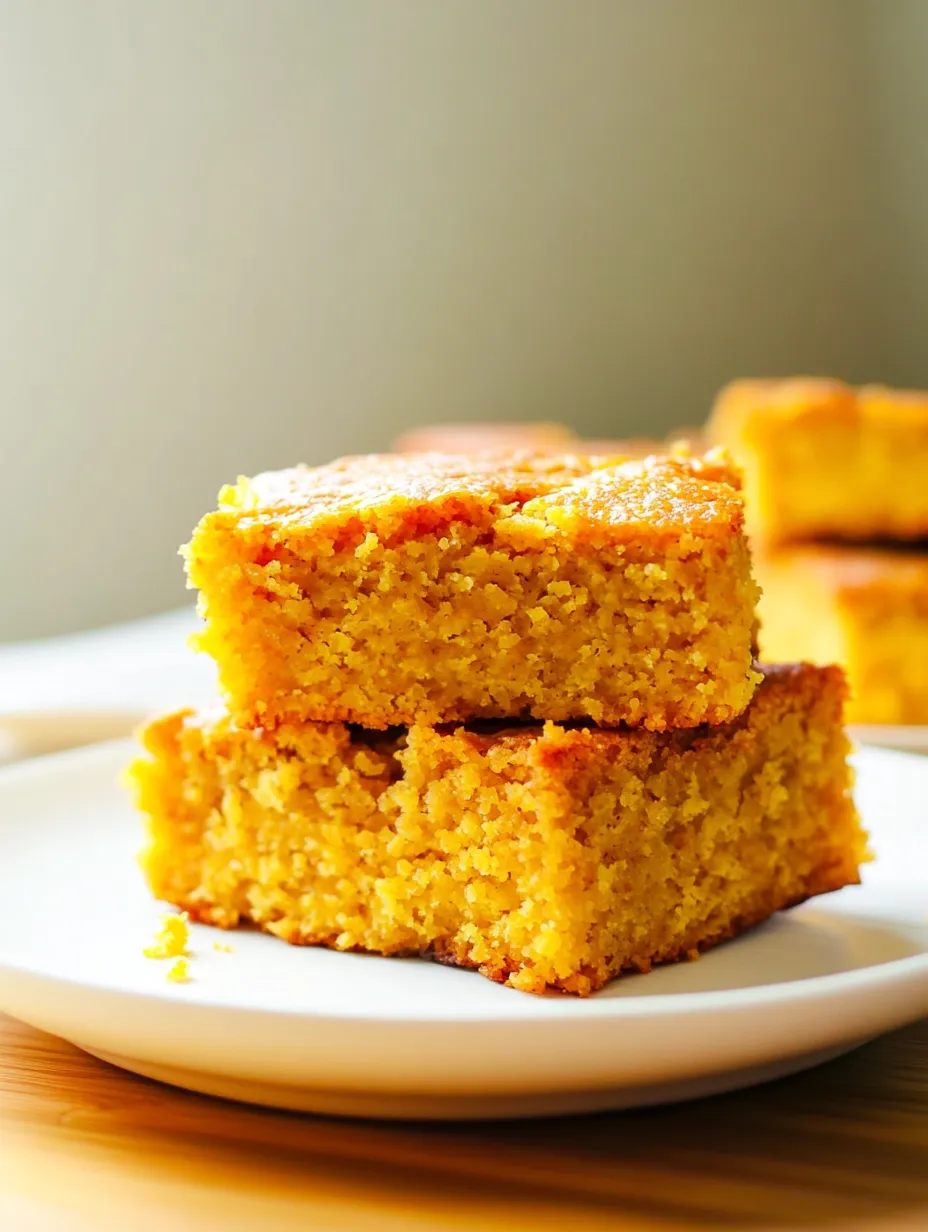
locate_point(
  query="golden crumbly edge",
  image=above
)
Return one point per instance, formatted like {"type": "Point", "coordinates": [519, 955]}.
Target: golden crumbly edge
{"type": "Point", "coordinates": [426, 589]}
{"type": "Point", "coordinates": [824, 460]}
{"type": "Point", "coordinates": [544, 856]}
{"type": "Point", "coordinates": [864, 608]}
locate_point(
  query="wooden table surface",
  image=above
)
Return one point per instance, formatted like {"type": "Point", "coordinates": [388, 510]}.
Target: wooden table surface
{"type": "Point", "coordinates": [85, 1146]}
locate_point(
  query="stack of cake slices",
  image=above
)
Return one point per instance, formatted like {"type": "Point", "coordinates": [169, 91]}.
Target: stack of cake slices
{"type": "Point", "coordinates": [497, 710]}
{"type": "Point", "coordinates": [837, 504]}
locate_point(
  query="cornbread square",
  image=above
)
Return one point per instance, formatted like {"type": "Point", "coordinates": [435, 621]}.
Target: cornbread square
{"type": "Point", "coordinates": [866, 608]}
{"type": "Point", "coordinates": [823, 460]}
{"type": "Point", "coordinates": [431, 588]}
{"type": "Point", "coordinates": [545, 856]}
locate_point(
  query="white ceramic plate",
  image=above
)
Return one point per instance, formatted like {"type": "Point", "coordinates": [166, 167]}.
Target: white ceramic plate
{"type": "Point", "coordinates": [360, 1035]}
{"type": "Point", "coordinates": [912, 737]}
{"type": "Point", "coordinates": [35, 733]}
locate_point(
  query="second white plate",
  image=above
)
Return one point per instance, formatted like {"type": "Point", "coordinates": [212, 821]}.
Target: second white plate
{"type": "Point", "coordinates": [358, 1035]}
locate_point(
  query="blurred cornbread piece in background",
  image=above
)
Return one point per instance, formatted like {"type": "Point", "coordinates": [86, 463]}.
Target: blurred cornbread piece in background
{"type": "Point", "coordinates": [545, 857]}
{"type": "Point", "coordinates": [397, 589]}
{"type": "Point", "coordinates": [480, 437]}
{"type": "Point", "coordinates": [822, 460]}
{"type": "Point", "coordinates": [866, 608]}
{"type": "Point", "coordinates": [680, 440]}
{"type": "Point", "coordinates": [540, 438]}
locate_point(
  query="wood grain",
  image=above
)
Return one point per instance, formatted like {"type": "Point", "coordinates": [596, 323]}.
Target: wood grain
{"type": "Point", "coordinates": [86, 1146]}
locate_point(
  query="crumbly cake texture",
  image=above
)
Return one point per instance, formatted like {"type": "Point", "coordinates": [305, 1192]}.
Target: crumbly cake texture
{"type": "Point", "coordinates": [546, 857]}
{"type": "Point", "coordinates": [403, 589]}
{"type": "Point", "coordinates": [865, 608]}
{"type": "Point", "coordinates": [823, 460]}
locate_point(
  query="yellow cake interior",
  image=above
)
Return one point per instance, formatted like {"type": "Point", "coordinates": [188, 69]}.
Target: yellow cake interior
{"type": "Point", "coordinates": [547, 857]}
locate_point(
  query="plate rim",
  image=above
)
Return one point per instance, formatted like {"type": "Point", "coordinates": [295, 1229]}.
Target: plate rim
{"type": "Point", "coordinates": [911, 738]}
{"type": "Point", "coordinates": [563, 1008]}
{"type": "Point", "coordinates": [558, 1008]}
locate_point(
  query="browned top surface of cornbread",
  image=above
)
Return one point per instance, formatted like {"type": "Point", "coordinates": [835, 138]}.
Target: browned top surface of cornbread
{"type": "Point", "coordinates": [427, 588]}
{"type": "Point", "coordinates": [398, 496]}
{"type": "Point", "coordinates": [545, 855]}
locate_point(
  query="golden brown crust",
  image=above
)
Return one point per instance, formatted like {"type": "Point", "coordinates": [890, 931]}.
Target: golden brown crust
{"type": "Point", "coordinates": [397, 497]}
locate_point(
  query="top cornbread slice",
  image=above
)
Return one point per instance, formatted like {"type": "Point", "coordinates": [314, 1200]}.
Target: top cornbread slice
{"type": "Point", "coordinates": [823, 460]}
{"type": "Point", "coordinates": [390, 589]}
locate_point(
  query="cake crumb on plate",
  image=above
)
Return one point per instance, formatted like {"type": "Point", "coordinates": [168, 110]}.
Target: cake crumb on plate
{"type": "Point", "coordinates": [170, 941]}
{"type": "Point", "coordinates": [179, 972]}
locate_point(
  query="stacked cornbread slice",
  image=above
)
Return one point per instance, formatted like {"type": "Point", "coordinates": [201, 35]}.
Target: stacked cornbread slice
{"type": "Point", "coordinates": [837, 507]}
{"type": "Point", "coordinates": [497, 710]}
{"type": "Point", "coordinates": [432, 589]}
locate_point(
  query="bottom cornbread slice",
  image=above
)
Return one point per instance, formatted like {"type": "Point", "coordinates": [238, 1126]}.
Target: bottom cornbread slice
{"type": "Point", "coordinates": [544, 856]}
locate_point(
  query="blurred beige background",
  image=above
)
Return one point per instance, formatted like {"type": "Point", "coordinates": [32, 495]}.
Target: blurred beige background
{"type": "Point", "coordinates": [238, 234]}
